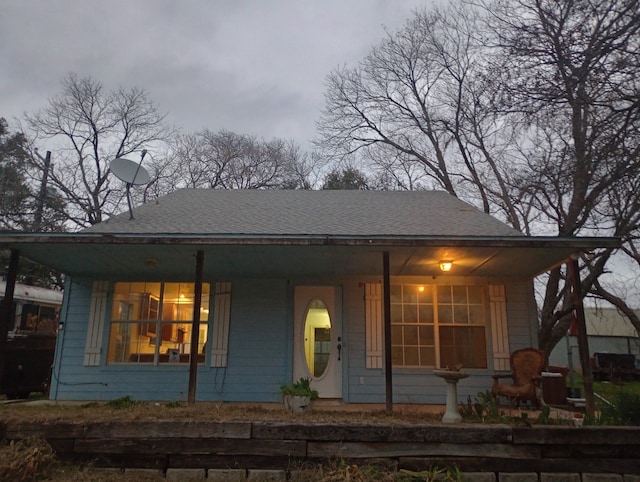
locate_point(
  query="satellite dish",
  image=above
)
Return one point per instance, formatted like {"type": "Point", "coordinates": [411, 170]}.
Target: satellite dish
{"type": "Point", "coordinates": [131, 173]}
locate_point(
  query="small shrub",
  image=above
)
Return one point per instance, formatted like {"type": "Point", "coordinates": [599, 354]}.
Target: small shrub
{"type": "Point", "coordinates": [485, 407]}
{"type": "Point", "coordinates": [545, 415]}
{"type": "Point", "coordinates": [625, 410]}
{"type": "Point", "coordinates": [301, 388]}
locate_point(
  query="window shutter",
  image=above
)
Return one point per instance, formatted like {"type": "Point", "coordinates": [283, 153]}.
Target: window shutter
{"type": "Point", "coordinates": [373, 328]}
{"type": "Point", "coordinates": [499, 330]}
{"type": "Point", "coordinates": [222, 310]}
{"type": "Point", "coordinates": [97, 314]}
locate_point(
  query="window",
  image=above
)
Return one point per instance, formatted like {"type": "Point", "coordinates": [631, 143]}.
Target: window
{"type": "Point", "coordinates": [151, 323]}
{"type": "Point", "coordinates": [438, 326]}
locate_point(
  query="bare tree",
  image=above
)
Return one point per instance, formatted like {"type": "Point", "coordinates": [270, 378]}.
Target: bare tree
{"type": "Point", "coordinates": [88, 128]}
{"type": "Point", "coordinates": [529, 109]}
{"type": "Point", "coordinates": [226, 160]}
{"type": "Point", "coordinates": [570, 69]}
{"type": "Point", "coordinates": [419, 108]}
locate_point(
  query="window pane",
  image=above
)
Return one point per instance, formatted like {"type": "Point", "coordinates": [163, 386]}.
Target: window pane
{"type": "Point", "coordinates": [460, 314]}
{"type": "Point", "coordinates": [444, 294]}
{"type": "Point", "coordinates": [476, 314]}
{"type": "Point", "coordinates": [425, 313]}
{"type": "Point", "coordinates": [396, 335]}
{"type": "Point", "coordinates": [427, 356]}
{"type": "Point", "coordinates": [410, 335]}
{"type": "Point", "coordinates": [425, 294]}
{"type": "Point", "coordinates": [445, 314]}
{"type": "Point", "coordinates": [426, 336]}
{"type": "Point", "coordinates": [446, 337]}
{"type": "Point", "coordinates": [460, 294]}
{"type": "Point", "coordinates": [126, 344]}
{"type": "Point", "coordinates": [411, 356]}
{"type": "Point", "coordinates": [409, 294]}
{"type": "Point", "coordinates": [397, 357]}
{"type": "Point", "coordinates": [135, 301]}
{"type": "Point", "coordinates": [463, 345]}
{"type": "Point", "coordinates": [476, 296]}
{"type": "Point", "coordinates": [396, 313]}
{"type": "Point", "coordinates": [396, 293]}
{"type": "Point", "coordinates": [410, 314]}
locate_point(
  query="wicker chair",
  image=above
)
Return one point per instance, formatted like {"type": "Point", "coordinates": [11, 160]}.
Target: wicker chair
{"type": "Point", "coordinates": [526, 373]}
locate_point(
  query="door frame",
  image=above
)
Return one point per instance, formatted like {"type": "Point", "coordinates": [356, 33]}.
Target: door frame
{"type": "Point", "coordinates": [329, 384]}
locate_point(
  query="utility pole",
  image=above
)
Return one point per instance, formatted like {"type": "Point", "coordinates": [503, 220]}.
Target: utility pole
{"type": "Point", "coordinates": [37, 222]}
{"type": "Point", "coordinates": [37, 217]}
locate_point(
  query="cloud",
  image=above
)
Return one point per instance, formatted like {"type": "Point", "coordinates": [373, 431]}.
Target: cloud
{"type": "Point", "coordinates": [251, 66]}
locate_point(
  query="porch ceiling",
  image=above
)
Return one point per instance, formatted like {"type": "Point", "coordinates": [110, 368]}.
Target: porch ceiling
{"type": "Point", "coordinates": [136, 257]}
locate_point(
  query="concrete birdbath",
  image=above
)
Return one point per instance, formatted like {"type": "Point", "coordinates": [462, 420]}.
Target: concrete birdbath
{"type": "Point", "coordinates": [452, 377]}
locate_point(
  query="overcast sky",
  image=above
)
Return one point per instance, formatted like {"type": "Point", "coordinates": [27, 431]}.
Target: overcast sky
{"type": "Point", "coordinates": [250, 66]}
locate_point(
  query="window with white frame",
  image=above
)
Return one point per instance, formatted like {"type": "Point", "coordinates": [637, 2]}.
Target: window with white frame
{"type": "Point", "coordinates": [438, 326]}
{"type": "Point", "coordinates": [151, 322]}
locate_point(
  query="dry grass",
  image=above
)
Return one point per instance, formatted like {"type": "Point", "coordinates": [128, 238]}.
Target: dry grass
{"type": "Point", "coordinates": [29, 459]}
{"type": "Point", "coordinates": [204, 411]}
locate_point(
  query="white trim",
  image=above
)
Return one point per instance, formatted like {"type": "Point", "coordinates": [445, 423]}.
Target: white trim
{"type": "Point", "coordinates": [373, 326]}
{"type": "Point", "coordinates": [221, 315]}
{"type": "Point", "coordinates": [97, 314]}
{"type": "Point", "coordinates": [499, 328]}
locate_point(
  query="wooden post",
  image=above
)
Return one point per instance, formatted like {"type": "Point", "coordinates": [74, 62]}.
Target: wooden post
{"type": "Point", "coordinates": [386, 297]}
{"type": "Point", "coordinates": [195, 328]}
{"type": "Point", "coordinates": [5, 308]}
{"type": "Point", "coordinates": [583, 341]}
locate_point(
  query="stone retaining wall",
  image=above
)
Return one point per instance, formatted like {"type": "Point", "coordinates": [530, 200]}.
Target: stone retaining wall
{"type": "Point", "coordinates": [484, 453]}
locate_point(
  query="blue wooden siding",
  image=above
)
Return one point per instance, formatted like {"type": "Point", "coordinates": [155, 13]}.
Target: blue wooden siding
{"type": "Point", "coordinates": [522, 315]}
{"type": "Point", "coordinates": [260, 334]}
{"type": "Point", "coordinates": [260, 352]}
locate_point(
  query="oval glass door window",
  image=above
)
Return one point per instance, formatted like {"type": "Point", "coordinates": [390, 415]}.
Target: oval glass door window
{"type": "Point", "coordinates": [317, 338]}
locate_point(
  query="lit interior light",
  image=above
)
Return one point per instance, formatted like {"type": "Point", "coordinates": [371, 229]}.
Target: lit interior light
{"type": "Point", "coordinates": [445, 265]}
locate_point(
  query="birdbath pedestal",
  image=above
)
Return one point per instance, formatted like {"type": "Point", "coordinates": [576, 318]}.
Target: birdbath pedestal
{"type": "Point", "coordinates": [452, 377]}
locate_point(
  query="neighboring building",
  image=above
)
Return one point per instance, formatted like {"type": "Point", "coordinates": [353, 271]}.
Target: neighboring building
{"type": "Point", "coordinates": [292, 286]}
{"type": "Point", "coordinates": [608, 331]}
{"type": "Point", "coordinates": [34, 309]}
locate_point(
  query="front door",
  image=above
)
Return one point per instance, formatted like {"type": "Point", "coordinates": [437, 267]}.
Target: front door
{"type": "Point", "coordinates": [317, 343]}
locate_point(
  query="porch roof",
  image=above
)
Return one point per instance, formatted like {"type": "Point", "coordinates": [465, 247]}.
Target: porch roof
{"type": "Point", "coordinates": [298, 234]}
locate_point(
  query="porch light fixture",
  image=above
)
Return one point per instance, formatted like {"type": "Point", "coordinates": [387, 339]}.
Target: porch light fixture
{"type": "Point", "coordinates": [445, 265]}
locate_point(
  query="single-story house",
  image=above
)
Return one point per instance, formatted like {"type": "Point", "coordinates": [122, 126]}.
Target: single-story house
{"type": "Point", "coordinates": [227, 294]}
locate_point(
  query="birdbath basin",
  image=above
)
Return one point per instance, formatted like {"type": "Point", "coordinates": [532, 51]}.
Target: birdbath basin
{"type": "Point", "coordinates": [452, 378]}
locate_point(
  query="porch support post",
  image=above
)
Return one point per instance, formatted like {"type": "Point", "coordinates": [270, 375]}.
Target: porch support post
{"type": "Point", "coordinates": [5, 308]}
{"type": "Point", "coordinates": [583, 342]}
{"type": "Point", "coordinates": [386, 297]}
{"type": "Point", "coordinates": [195, 328]}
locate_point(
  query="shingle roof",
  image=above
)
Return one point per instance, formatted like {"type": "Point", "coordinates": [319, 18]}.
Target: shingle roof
{"type": "Point", "coordinates": [327, 212]}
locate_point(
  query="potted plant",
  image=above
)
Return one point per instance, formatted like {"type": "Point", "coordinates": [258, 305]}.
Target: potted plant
{"type": "Point", "coordinates": [578, 419]}
{"type": "Point", "coordinates": [297, 396]}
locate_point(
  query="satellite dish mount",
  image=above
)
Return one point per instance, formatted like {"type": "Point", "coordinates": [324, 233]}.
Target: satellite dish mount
{"type": "Point", "coordinates": [131, 173]}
